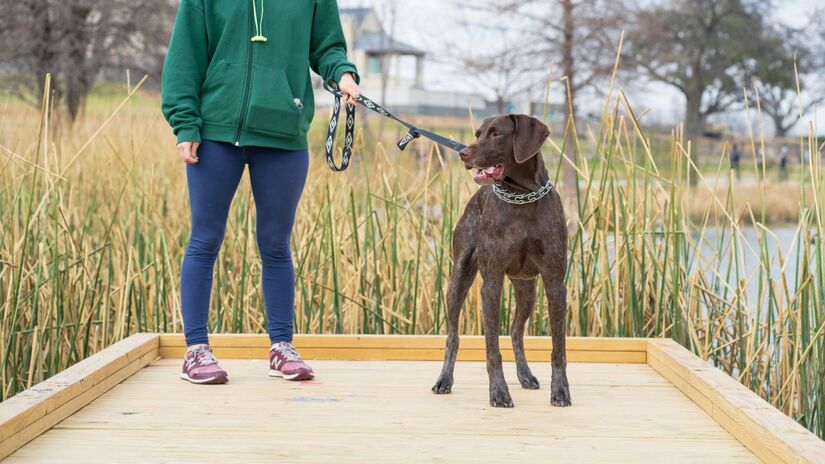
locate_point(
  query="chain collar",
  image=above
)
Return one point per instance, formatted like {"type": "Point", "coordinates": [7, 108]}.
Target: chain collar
{"type": "Point", "coordinates": [521, 198]}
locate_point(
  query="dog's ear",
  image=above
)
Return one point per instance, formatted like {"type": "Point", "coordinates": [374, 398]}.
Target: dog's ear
{"type": "Point", "coordinates": [528, 136]}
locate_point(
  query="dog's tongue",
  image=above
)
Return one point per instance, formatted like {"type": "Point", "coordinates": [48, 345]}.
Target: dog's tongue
{"type": "Point", "coordinates": [482, 177]}
{"type": "Point", "coordinates": [485, 176]}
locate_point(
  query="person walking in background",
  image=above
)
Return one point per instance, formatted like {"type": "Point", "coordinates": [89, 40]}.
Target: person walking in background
{"type": "Point", "coordinates": [236, 91]}
{"type": "Point", "coordinates": [783, 162]}
{"type": "Point", "coordinates": [735, 156]}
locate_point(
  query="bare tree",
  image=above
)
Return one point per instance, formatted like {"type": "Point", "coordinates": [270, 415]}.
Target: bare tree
{"type": "Point", "coordinates": [389, 14]}
{"type": "Point", "coordinates": [76, 39]}
{"type": "Point", "coordinates": [26, 50]}
{"type": "Point", "coordinates": [783, 104]}
{"type": "Point", "coordinates": [706, 49]}
{"type": "Point", "coordinates": [786, 75]}
{"type": "Point", "coordinates": [581, 35]}
{"type": "Point", "coordinates": [497, 62]}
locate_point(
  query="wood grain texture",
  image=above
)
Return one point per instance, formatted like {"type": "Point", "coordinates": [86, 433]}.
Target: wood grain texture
{"type": "Point", "coordinates": [410, 341]}
{"type": "Point", "coordinates": [33, 411]}
{"type": "Point", "coordinates": [770, 434]}
{"type": "Point", "coordinates": [413, 347]}
{"type": "Point", "coordinates": [368, 411]}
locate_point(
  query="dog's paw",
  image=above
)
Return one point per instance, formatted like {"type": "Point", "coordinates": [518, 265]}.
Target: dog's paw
{"type": "Point", "coordinates": [559, 388]}
{"type": "Point", "coordinates": [560, 394]}
{"type": "Point", "coordinates": [529, 381]}
{"type": "Point", "coordinates": [443, 386]}
{"type": "Point", "coordinates": [560, 400]}
{"type": "Point", "coordinates": [500, 398]}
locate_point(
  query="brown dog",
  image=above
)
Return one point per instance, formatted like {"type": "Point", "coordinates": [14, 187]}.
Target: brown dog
{"type": "Point", "coordinates": [507, 231]}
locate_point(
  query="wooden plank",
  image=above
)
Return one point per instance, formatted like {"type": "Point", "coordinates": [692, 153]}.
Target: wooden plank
{"type": "Point", "coordinates": [766, 431]}
{"type": "Point", "coordinates": [420, 354]}
{"type": "Point", "coordinates": [667, 371]}
{"type": "Point", "coordinates": [395, 446]}
{"type": "Point", "coordinates": [383, 411]}
{"type": "Point", "coordinates": [403, 347]}
{"type": "Point", "coordinates": [409, 342]}
{"type": "Point", "coordinates": [28, 414]}
{"type": "Point", "coordinates": [605, 374]}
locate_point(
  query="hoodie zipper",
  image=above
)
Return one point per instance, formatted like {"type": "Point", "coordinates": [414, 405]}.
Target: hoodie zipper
{"type": "Point", "coordinates": [245, 105]}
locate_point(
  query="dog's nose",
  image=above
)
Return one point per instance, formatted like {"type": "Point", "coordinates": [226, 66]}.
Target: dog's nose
{"type": "Point", "coordinates": [463, 154]}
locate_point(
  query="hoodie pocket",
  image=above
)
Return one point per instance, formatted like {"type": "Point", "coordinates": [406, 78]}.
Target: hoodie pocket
{"type": "Point", "coordinates": [272, 106]}
{"type": "Point", "coordinates": [221, 94]}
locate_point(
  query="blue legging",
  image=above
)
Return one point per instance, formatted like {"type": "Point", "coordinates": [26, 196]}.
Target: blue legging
{"type": "Point", "coordinates": [278, 179]}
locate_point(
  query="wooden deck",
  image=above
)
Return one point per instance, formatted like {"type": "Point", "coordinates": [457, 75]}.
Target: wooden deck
{"type": "Point", "coordinates": [649, 407]}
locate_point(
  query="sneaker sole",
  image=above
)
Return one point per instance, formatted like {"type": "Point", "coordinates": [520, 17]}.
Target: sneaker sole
{"type": "Point", "coordinates": [297, 376]}
{"type": "Point", "coordinates": [209, 381]}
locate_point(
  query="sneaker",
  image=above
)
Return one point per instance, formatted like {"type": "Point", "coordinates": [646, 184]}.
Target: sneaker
{"type": "Point", "coordinates": [285, 362]}
{"type": "Point", "coordinates": [201, 366]}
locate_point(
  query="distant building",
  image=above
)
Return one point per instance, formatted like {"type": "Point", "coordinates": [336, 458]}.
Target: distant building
{"type": "Point", "coordinates": [550, 113]}
{"type": "Point", "coordinates": [369, 48]}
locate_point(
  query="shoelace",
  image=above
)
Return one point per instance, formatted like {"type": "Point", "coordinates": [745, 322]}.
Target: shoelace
{"type": "Point", "coordinates": [288, 350]}
{"type": "Point", "coordinates": [205, 358]}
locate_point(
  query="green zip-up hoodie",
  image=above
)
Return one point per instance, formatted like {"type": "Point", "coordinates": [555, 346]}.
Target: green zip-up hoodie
{"type": "Point", "coordinates": [217, 84]}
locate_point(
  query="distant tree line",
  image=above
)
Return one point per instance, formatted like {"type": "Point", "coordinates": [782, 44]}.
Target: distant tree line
{"type": "Point", "coordinates": [711, 51]}
{"type": "Point", "coordinates": [708, 50]}
{"type": "Point", "coordinates": [77, 41]}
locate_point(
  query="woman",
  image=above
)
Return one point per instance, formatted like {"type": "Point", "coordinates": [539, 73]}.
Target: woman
{"type": "Point", "coordinates": [236, 90]}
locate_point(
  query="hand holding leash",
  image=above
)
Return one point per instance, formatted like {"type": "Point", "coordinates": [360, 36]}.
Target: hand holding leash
{"type": "Point", "coordinates": [350, 89]}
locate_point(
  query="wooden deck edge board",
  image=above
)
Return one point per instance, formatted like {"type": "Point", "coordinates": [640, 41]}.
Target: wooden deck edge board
{"type": "Point", "coordinates": [770, 434]}
{"type": "Point", "coordinates": [706, 404]}
{"type": "Point", "coordinates": [412, 354]}
{"type": "Point", "coordinates": [43, 424]}
{"type": "Point", "coordinates": [409, 342]}
{"type": "Point", "coordinates": [46, 402]}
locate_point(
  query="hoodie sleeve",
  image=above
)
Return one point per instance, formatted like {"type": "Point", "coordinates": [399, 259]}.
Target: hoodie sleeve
{"type": "Point", "coordinates": [184, 70]}
{"type": "Point", "coordinates": [327, 47]}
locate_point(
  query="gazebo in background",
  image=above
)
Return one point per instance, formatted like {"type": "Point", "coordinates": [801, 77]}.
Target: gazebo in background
{"type": "Point", "coordinates": [371, 48]}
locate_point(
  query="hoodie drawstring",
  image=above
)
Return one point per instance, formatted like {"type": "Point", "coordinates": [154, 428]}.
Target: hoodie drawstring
{"type": "Point", "coordinates": [259, 24]}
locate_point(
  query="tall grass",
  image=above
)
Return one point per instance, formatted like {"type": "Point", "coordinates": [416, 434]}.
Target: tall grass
{"type": "Point", "coordinates": [95, 220]}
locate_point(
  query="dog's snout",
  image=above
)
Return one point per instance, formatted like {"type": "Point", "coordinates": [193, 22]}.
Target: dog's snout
{"type": "Point", "coordinates": [467, 155]}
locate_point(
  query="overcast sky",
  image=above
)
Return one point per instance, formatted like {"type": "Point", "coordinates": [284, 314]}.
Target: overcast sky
{"type": "Point", "coordinates": [432, 24]}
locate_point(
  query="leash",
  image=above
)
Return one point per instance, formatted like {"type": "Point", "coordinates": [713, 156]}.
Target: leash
{"type": "Point", "coordinates": [349, 137]}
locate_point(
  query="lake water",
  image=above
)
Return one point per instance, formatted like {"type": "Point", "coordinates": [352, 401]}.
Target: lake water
{"type": "Point", "coordinates": [782, 245]}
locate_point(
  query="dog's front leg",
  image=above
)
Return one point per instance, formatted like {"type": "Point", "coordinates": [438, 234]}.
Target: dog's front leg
{"type": "Point", "coordinates": [557, 302]}
{"type": "Point", "coordinates": [460, 282]}
{"type": "Point", "coordinates": [525, 291]}
{"type": "Point", "coordinates": [491, 314]}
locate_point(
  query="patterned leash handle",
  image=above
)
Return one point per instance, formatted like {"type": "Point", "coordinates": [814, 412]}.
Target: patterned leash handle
{"type": "Point", "coordinates": [412, 134]}
{"type": "Point", "coordinates": [349, 136]}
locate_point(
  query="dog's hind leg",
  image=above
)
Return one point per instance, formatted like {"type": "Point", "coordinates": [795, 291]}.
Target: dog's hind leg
{"type": "Point", "coordinates": [460, 282]}
{"type": "Point", "coordinates": [557, 302]}
{"type": "Point", "coordinates": [491, 314]}
{"type": "Point", "coordinates": [525, 291]}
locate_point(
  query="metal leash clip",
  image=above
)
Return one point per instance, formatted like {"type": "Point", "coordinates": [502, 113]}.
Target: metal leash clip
{"type": "Point", "coordinates": [411, 135]}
